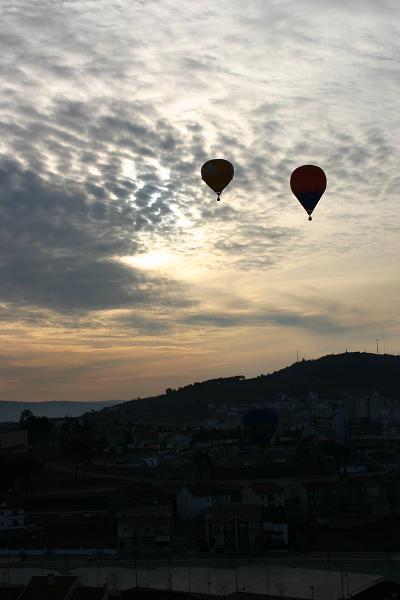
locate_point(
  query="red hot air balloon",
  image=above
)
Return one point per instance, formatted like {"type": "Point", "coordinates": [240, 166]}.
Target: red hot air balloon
{"type": "Point", "coordinates": [217, 173]}
{"type": "Point", "coordinates": [308, 183]}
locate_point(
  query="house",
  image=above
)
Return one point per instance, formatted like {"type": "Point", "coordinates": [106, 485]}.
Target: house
{"type": "Point", "coordinates": [193, 501]}
{"type": "Point", "coordinates": [264, 494]}
{"type": "Point", "coordinates": [245, 527]}
{"type": "Point", "coordinates": [144, 532]}
{"type": "Point", "coordinates": [354, 465]}
{"type": "Point", "coordinates": [318, 496]}
{"type": "Point", "coordinates": [143, 439]}
{"type": "Point", "coordinates": [364, 495]}
{"type": "Point", "coordinates": [11, 517]}
{"type": "Point", "coordinates": [176, 440]}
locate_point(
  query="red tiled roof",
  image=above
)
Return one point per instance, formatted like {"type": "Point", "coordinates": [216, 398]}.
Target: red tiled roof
{"type": "Point", "coordinates": [44, 588]}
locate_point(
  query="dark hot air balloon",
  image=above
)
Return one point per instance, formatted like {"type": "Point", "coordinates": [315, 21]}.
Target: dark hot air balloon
{"type": "Point", "coordinates": [260, 424]}
{"type": "Point", "coordinates": [217, 173]}
{"type": "Point", "coordinates": [308, 183]}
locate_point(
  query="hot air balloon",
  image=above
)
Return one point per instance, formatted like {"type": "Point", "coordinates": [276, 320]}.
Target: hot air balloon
{"type": "Point", "coordinates": [308, 183]}
{"type": "Point", "coordinates": [217, 173]}
{"type": "Point", "coordinates": [260, 424]}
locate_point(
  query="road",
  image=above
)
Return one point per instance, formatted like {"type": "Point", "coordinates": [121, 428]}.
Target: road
{"type": "Point", "coordinates": [330, 561]}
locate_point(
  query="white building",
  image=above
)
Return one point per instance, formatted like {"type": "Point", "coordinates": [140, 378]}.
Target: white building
{"type": "Point", "coordinates": [264, 493]}
{"type": "Point", "coordinates": [193, 501]}
{"type": "Point", "coordinates": [11, 518]}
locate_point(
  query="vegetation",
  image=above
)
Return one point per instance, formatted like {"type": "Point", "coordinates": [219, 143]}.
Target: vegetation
{"type": "Point", "coordinates": [329, 376]}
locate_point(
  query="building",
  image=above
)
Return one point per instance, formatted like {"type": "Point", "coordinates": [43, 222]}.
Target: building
{"type": "Point", "coordinates": [364, 496]}
{"type": "Point", "coordinates": [193, 501]}
{"type": "Point", "coordinates": [11, 518]}
{"type": "Point", "coordinates": [242, 528]}
{"type": "Point", "coordinates": [175, 440]}
{"type": "Point", "coordinates": [318, 496]}
{"type": "Point", "coordinates": [264, 494]}
{"type": "Point", "coordinates": [144, 532]}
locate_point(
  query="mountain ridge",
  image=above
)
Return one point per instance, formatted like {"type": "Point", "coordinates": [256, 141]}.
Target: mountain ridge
{"type": "Point", "coordinates": [330, 375]}
{"type": "Point", "coordinates": [10, 410]}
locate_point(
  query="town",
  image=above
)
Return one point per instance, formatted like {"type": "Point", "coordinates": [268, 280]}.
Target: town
{"type": "Point", "coordinates": [300, 481]}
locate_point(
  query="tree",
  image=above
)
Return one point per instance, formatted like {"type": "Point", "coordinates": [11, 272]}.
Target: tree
{"type": "Point", "coordinates": [201, 461]}
{"type": "Point", "coordinates": [25, 418]}
{"type": "Point", "coordinates": [38, 428]}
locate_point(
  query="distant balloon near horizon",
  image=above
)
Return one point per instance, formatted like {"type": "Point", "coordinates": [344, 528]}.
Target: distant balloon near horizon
{"type": "Point", "coordinates": [217, 173]}
{"type": "Point", "coordinates": [308, 183]}
{"type": "Point", "coordinates": [260, 424]}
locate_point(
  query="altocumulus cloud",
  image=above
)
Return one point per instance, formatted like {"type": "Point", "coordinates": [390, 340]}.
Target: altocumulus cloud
{"type": "Point", "coordinates": [109, 109]}
{"type": "Point", "coordinates": [56, 248]}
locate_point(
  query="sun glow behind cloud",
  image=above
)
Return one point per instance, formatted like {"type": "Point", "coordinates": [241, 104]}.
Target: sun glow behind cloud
{"type": "Point", "coordinates": [150, 260]}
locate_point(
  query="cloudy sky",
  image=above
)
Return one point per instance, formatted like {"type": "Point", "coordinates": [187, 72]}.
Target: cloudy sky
{"type": "Point", "coordinates": [120, 274]}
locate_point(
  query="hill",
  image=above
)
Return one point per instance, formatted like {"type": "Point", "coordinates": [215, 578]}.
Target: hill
{"type": "Point", "coordinates": [11, 410]}
{"type": "Point", "coordinates": [329, 376]}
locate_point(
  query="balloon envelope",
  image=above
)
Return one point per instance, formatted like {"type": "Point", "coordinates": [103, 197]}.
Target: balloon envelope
{"type": "Point", "coordinates": [217, 173]}
{"type": "Point", "coordinates": [308, 183]}
{"type": "Point", "coordinates": [260, 424]}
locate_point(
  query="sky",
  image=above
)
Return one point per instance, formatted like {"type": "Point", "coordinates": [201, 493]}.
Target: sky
{"type": "Point", "coordinates": [120, 273]}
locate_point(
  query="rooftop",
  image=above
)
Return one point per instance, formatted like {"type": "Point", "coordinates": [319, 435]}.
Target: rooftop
{"type": "Point", "coordinates": [10, 592]}
{"type": "Point", "coordinates": [49, 587]}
